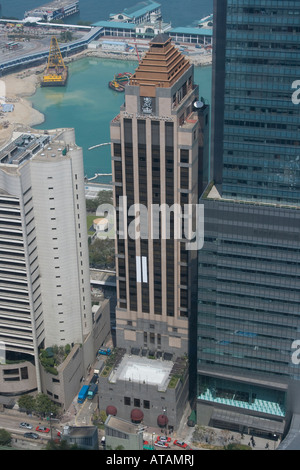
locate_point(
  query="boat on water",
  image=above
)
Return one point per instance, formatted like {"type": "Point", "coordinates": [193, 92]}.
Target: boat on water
{"type": "Point", "coordinates": [119, 81]}
{"type": "Point", "coordinates": [123, 77]}
{"type": "Point", "coordinates": [114, 85]}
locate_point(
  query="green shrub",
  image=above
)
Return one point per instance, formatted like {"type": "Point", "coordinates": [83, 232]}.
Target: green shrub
{"type": "Point", "coordinates": [237, 447]}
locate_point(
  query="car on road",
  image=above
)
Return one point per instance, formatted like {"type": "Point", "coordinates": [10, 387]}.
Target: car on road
{"type": "Point", "coordinates": [163, 439]}
{"type": "Point", "coordinates": [31, 435]}
{"type": "Point", "coordinates": [181, 444]}
{"type": "Point", "coordinates": [25, 425]}
{"type": "Point", "coordinates": [42, 429]}
{"type": "Point", "coordinates": [161, 444]}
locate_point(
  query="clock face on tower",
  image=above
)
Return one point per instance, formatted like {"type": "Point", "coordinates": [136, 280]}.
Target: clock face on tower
{"type": "Point", "coordinates": [147, 105]}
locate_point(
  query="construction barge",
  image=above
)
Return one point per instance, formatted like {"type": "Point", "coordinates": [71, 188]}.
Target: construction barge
{"type": "Point", "coordinates": [56, 73]}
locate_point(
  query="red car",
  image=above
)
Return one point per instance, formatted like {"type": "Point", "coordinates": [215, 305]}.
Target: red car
{"type": "Point", "coordinates": [42, 429]}
{"type": "Point", "coordinates": [180, 444]}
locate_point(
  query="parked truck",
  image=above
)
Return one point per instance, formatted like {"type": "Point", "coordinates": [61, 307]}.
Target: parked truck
{"type": "Point", "coordinates": [83, 393]}
{"type": "Point", "coordinates": [93, 389]}
{"type": "Point", "coordinates": [94, 379]}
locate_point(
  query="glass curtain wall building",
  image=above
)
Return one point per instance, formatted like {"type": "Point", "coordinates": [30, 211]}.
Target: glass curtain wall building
{"type": "Point", "coordinates": [260, 122]}
{"type": "Point", "coordinates": [249, 267]}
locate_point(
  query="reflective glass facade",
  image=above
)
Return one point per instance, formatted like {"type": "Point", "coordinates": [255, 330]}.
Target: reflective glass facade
{"type": "Point", "coordinates": [250, 282]}
{"type": "Point", "coordinates": [261, 154]}
{"type": "Point", "coordinates": [249, 267]}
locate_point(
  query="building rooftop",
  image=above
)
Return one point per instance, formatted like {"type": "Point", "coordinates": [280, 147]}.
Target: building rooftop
{"type": "Point", "coordinates": [161, 66]}
{"type": "Point", "coordinates": [79, 431]}
{"type": "Point", "coordinates": [213, 193]}
{"type": "Point", "coordinates": [114, 24]}
{"type": "Point", "coordinates": [122, 425]}
{"type": "Point", "coordinates": [22, 148]}
{"type": "Point", "coordinates": [26, 145]}
{"type": "Point", "coordinates": [196, 31]}
{"type": "Point", "coordinates": [140, 9]}
{"type": "Point", "coordinates": [139, 369]}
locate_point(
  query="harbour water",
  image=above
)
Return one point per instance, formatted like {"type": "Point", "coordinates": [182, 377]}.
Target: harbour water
{"type": "Point", "coordinates": [88, 105]}
{"type": "Point", "coordinates": [178, 12]}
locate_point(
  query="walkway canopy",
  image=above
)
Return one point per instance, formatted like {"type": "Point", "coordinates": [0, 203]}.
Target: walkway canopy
{"type": "Point", "coordinates": [137, 415]}
{"type": "Point", "coordinates": [111, 410]}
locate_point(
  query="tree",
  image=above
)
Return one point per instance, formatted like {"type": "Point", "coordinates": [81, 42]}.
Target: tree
{"type": "Point", "coordinates": [84, 23]}
{"type": "Point", "coordinates": [44, 406]}
{"type": "Point", "coordinates": [103, 416]}
{"type": "Point", "coordinates": [102, 253]}
{"type": "Point", "coordinates": [62, 445]}
{"type": "Point", "coordinates": [48, 361]}
{"type": "Point", "coordinates": [103, 197]}
{"type": "Point", "coordinates": [237, 446]}
{"type": "Point", "coordinates": [66, 36]}
{"type": "Point", "coordinates": [27, 402]}
{"type": "Point", "coordinates": [5, 437]}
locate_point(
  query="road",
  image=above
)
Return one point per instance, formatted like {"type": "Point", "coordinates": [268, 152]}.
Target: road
{"type": "Point", "coordinates": [11, 423]}
{"type": "Point", "coordinates": [85, 412]}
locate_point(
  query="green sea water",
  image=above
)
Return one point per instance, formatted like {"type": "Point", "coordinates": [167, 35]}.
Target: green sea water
{"type": "Point", "coordinates": [87, 104]}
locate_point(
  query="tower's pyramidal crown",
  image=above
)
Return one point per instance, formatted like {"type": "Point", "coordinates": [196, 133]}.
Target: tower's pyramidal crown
{"type": "Point", "coordinates": [161, 66]}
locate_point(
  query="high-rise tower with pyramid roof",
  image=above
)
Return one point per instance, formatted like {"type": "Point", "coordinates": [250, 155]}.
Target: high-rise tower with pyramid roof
{"type": "Point", "coordinates": [157, 163]}
{"type": "Point", "coordinates": [157, 154]}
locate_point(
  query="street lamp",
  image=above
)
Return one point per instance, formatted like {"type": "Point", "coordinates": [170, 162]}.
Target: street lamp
{"type": "Point", "coordinates": [164, 413]}
{"type": "Point", "coordinates": [51, 414]}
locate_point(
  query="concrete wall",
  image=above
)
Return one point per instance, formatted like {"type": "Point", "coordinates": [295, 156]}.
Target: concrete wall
{"type": "Point", "coordinates": [132, 442]}
{"type": "Point", "coordinates": [62, 244]}
{"type": "Point", "coordinates": [63, 387]}
{"type": "Point", "coordinates": [173, 400]}
{"type": "Point", "coordinates": [16, 379]}
{"type": "Point", "coordinates": [101, 328]}
{"type": "Point", "coordinates": [85, 437]}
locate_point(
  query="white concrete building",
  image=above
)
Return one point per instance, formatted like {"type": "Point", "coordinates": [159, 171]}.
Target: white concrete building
{"type": "Point", "coordinates": [100, 225]}
{"type": "Point", "coordinates": [45, 294]}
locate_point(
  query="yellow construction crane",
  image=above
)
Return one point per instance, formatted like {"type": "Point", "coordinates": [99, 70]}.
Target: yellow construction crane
{"type": "Point", "coordinates": [56, 73]}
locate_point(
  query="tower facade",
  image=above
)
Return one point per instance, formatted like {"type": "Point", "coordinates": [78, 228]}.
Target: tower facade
{"type": "Point", "coordinates": [44, 268]}
{"type": "Point", "coordinates": [255, 131]}
{"type": "Point", "coordinates": [249, 266]}
{"type": "Point", "coordinates": [157, 145]}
